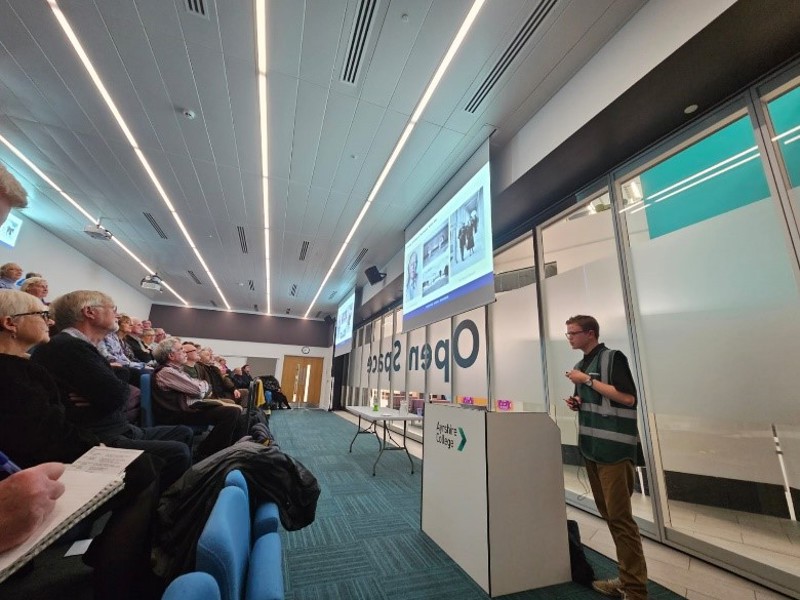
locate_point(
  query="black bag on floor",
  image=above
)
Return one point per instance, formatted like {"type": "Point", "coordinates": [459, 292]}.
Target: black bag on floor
{"type": "Point", "coordinates": [580, 568]}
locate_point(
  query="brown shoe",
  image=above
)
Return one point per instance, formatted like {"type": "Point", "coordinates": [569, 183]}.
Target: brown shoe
{"type": "Point", "coordinates": [609, 587]}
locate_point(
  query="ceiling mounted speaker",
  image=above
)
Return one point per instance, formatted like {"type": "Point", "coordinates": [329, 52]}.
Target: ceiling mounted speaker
{"type": "Point", "coordinates": [373, 275]}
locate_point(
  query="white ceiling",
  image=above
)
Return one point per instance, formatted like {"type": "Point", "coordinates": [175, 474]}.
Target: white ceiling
{"type": "Point", "coordinates": [328, 139]}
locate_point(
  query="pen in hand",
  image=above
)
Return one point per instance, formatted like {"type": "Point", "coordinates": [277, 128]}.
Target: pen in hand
{"type": "Point", "coordinates": [7, 465]}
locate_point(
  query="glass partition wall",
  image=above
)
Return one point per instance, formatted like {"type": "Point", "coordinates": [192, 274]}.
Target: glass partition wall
{"type": "Point", "coordinates": [688, 257]}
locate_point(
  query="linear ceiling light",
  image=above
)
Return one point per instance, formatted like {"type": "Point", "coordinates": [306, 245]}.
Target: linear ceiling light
{"type": "Point", "coordinates": [785, 133]}
{"type": "Point", "coordinates": [261, 39]}
{"type": "Point", "coordinates": [82, 210]}
{"type": "Point", "coordinates": [101, 88]}
{"type": "Point", "coordinates": [415, 116]}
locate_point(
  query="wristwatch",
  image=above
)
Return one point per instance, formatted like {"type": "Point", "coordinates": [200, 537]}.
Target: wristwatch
{"type": "Point", "coordinates": [589, 382]}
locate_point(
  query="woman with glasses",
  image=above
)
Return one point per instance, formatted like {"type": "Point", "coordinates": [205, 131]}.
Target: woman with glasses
{"type": "Point", "coordinates": [34, 430]}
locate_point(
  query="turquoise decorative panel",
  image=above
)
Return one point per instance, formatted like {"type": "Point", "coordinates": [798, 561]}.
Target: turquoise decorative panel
{"type": "Point", "coordinates": [718, 174]}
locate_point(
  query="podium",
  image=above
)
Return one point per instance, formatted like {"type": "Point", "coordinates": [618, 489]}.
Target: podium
{"type": "Point", "coordinates": [493, 496]}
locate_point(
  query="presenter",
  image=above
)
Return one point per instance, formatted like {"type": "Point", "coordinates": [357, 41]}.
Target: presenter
{"type": "Point", "coordinates": [605, 397]}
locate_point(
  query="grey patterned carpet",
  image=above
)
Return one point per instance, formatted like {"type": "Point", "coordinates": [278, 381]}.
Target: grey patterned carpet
{"type": "Point", "coordinates": [366, 542]}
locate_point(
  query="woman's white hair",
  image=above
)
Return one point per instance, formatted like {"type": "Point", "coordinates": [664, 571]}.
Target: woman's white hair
{"type": "Point", "coordinates": [13, 302]}
{"type": "Point", "coordinates": [32, 281]}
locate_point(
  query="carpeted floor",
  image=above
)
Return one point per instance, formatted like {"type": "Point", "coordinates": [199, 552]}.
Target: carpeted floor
{"type": "Point", "coordinates": [366, 542]}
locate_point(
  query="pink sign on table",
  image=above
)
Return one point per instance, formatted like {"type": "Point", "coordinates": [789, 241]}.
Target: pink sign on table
{"type": "Point", "coordinates": [467, 400]}
{"type": "Point", "coordinates": [504, 405]}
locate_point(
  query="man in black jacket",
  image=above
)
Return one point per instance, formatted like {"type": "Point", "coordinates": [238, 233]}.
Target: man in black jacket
{"type": "Point", "coordinates": [95, 397]}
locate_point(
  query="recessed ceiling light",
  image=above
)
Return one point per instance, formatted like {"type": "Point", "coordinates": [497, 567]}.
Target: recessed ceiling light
{"type": "Point", "coordinates": [690, 109]}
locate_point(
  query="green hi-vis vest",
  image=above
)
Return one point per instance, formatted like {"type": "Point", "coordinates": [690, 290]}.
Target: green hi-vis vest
{"type": "Point", "coordinates": [607, 430]}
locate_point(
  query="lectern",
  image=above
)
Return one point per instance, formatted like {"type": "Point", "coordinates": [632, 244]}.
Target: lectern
{"type": "Point", "coordinates": [493, 496]}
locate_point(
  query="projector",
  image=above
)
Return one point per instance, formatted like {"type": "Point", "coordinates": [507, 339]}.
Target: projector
{"type": "Point", "coordinates": [98, 232]}
{"type": "Point", "coordinates": [151, 282]}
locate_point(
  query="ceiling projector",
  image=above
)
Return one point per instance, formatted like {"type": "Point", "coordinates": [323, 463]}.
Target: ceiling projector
{"type": "Point", "coordinates": [98, 232]}
{"type": "Point", "coordinates": [151, 282]}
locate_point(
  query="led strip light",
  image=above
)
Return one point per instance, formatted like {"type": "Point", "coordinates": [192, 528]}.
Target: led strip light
{"type": "Point", "coordinates": [87, 64]}
{"type": "Point", "coordinates": [415, 116]}
{"type": "Point", "coordinates": [261, 40]}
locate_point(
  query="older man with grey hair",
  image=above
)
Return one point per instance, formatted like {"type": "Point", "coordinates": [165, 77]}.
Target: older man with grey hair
{"type": "Point", "coordinates": [179, 398]}
{"type": "Point", "coordinates": [97, 397]}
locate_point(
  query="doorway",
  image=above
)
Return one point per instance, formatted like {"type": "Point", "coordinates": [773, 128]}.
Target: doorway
{"type": "Point", "coordinates": [302, 380]}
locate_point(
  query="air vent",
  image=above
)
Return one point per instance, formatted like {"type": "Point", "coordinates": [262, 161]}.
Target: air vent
{"type": "Point", "coordinates": [319, 312]}
{"type": "Point", "coordinates": [304, 250]}
{"type": "Point", "coordinates": [197, 7]}
{"type": "Point", "coordinates": [251, 285]}
{"type": "Point", "coordinates": [155, 225]}
{"type": "Point", "coordinates": [242, 238]}
{"type": "Point", "coordinates": [333, 294]}
{"type": "Point", "coordinates": [293, 290]}
{"type": "Point", "coordinates": [213, 303]}
{"type": "Point", "coordinates": [193, 276]}
{"type": "Point", "coordinates": [513, 50]}
{"type": "Point", "coordinates": [358, 40]}
{"type": "Point", "coordinates": [357, 260]}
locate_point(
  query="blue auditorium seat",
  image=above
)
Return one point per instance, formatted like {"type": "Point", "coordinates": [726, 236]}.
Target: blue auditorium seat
{"type": "Point", "coordinates": [192, 586]}
{"type": "Point", "coordinates": [267, 517]}
{"type": "Point", "coordinates": [265, 575]}
{"type": "Point", "coordinates": [223, 549]}
{"type": "Point", "coordinates": [146, 408]}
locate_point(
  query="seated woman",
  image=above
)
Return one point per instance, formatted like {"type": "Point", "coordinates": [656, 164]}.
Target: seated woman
{"type": "Point", "coordinates": [34, 430]}
{"type": "Point", "coordinates": [36, 286]}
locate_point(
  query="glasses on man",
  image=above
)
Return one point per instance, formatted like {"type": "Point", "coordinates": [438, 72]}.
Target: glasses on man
{"type": "Point", "coordinates": [112, 307]}
{"type": "Point", "coordinates": [571, 334]}
{"type": "Point", "coordinates": [45, 314]}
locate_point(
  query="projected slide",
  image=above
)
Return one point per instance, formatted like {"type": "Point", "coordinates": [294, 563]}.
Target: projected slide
{"type": "Point", "coordinates": [343, 339]}
{"type": "Point", "coordinates": [449, 264]}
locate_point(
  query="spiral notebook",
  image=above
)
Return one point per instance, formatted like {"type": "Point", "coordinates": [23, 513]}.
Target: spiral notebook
{"type": "Point", "coordinates": [85, 490]}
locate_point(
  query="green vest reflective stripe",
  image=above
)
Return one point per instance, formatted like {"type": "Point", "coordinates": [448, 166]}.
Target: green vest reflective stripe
{"type": "Point", "coordinates": [607, 430]}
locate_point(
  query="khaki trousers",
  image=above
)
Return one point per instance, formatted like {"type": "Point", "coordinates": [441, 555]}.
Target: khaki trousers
{"type": "Point", "coordinates": [612, 486]}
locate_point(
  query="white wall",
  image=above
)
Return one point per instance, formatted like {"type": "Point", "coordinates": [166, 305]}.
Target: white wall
{"type": "Point", "coordinates": [655, 32]}
{"type": "Point", "coordinates": [67, 270]}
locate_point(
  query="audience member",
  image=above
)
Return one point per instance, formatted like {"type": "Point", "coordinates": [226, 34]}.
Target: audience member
{"type": "Point", "coordinates": [247, 378]}
{"type": "Point", "coordinates": [272, 385]}
{"type": "Point", "coordinates": [134, 340]}
{"type": "Point", "coordinates": [32, 274]}
{"type": "Point", "coordinates": [26, 498]}
{"type": "Point", "coordinates": [192, 366]}
{"type": "Point", "coordinates": [9, 275]}
{"type": "Point", "coordinates": [223, 365]}
{"type": "Point", "coordinates": [148, 339]}
{"type": "Point", "coordinates": [179, 398]}
{"type": "Point", "coordinates": [222, 386]}
{"type": "Point", "coordinates": [236, 376]}
{"type": "Point", "coordinates": [34, 430]}
{"type": "Point", "coordinates": [35, 286]}
{"type": "Point", "coordinates": [12, 194]}
{"type": "Point", "coordinates": [96, 396]}
{"type": "Point", "coordinates": [161, 335]}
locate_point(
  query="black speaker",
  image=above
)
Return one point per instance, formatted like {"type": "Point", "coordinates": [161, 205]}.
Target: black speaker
{"type": "Point", "coordinates": [373, 275]}
{"type": "Point", "coordinates": [328, 319]}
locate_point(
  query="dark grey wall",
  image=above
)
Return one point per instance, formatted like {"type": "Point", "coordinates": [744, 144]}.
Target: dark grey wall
{"type": "Point", "coordinates": [222, 325]}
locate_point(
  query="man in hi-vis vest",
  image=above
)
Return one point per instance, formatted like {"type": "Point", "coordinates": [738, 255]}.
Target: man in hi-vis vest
{"type": "Point", "coordinates": [605, 396]}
